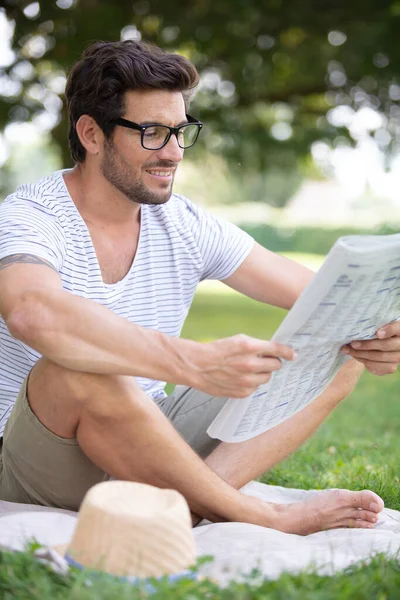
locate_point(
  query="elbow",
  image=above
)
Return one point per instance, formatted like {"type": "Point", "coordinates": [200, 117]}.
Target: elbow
{"type": "Point", "coordinates": [28, 319]}
{"type": "Point", "coordinates": [17, 323]}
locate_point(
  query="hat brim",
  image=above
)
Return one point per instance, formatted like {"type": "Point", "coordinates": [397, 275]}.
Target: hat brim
{"type": "Point", "coordinates": [61, 549]}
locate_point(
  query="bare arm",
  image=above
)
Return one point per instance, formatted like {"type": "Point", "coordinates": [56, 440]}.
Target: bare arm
{"type": "Point", "coordinates": [276, 280]}
{"type": "Point", "coordinates": [82, 335]}
{"type": "Point", "coordinates": [270, 278]}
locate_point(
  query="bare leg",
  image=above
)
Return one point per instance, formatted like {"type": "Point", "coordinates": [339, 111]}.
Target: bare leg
{"type": "Point", "coordinates": [239, 463]}
{"type": "Point", "coordinates": [125, 434]}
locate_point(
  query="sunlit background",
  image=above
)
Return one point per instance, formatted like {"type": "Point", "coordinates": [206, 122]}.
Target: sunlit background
{"type": "Point", "coordinates": [301, 105]}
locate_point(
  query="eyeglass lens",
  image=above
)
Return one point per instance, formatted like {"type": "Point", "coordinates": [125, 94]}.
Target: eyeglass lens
{"type": "Point", "coordinates": [154, 137]}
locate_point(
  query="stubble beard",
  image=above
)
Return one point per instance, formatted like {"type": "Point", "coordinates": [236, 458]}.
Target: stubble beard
{"type": "Point", "coordinates": [117, 172]}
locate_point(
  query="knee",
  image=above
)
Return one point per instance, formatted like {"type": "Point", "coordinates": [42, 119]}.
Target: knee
{"type": "Point", "coordinates": [346, 380]}
{"type": "Point", "coordinates": [350, 374]}
{"type": "Point", "coordinates": [80, 388]}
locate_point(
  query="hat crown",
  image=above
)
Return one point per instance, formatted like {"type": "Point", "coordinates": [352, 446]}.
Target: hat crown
{"type": "Point", "coordinates": [143, 500]}
{"type": "Point", "coordinates": [133, 529]}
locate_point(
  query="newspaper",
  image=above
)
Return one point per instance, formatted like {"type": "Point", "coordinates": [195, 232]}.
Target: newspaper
{"type": "Point", "coordinates": [356, 291]}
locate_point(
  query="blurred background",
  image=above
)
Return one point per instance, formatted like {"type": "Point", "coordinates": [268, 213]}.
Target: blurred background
{"type": "Point", "coordinates": [300, 100]}
{"type": "Point", "coordinates": [301, 144]}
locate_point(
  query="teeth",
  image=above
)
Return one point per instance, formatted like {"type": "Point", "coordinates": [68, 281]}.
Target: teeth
{"type": "Point", "coordinates": [161, 173]}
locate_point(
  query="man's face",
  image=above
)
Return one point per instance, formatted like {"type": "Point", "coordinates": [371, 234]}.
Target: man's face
{"type": "Point", "coordinates": [144, 176]}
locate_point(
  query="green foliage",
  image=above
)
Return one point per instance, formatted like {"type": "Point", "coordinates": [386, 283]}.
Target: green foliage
{"type": "Point", "coordinates": [271, 70]}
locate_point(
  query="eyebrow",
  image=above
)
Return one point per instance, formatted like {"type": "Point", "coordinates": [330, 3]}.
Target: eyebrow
{"type": "Point", "coordinates": [185, 122]}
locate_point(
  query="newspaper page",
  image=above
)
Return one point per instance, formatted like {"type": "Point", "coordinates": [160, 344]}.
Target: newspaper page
{"type": "Point", "coordinates": [356, 291]}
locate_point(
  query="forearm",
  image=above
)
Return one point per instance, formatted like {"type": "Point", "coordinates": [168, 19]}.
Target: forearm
{"type": "Point", "coordinates": [82, 335]}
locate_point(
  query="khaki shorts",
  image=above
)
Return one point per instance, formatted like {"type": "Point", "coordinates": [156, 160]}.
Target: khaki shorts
{"type": "Point", "coordinates": [39, 467]}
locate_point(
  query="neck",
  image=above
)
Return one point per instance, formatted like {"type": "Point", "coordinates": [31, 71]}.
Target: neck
{"type": "Point", "coordinates": [97, 200]}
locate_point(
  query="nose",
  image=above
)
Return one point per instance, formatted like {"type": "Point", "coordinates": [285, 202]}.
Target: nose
{"type": "Point", "coordinates": [171, 151]}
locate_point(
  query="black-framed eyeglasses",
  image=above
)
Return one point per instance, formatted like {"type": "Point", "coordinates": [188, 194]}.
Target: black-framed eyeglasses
{"type": "Point", "coordinates": [155, 136]}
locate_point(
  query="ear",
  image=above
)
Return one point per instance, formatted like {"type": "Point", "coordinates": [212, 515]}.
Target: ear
{"type": "Point", "coordinates": [90, 134]}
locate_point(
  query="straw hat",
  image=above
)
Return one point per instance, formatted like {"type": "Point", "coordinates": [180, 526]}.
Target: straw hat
{"type": "Point", "coordinates": [132, 530]}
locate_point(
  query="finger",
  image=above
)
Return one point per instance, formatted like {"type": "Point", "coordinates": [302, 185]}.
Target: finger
{"type": "Point", "coordinates": [244, 344]}
{"type": "Point", "coordinates": [278, 350]}
{"type": "Point", "coordinates": [265, 364]}
{"type": "Point", "coordinates": [389, 345]}
{"type": "Point", "coordinates": [389, 330]}
{"type": "Point", "coordinates": [378, 368]}
{"type": "Point", "coordinates": [249, 384]}
{"type": "Point", "coordinates": [250, 365]}
{"type": "Point", "coordinates": [261, 379]}
{"type": "Point", "coordinates": [237, 393]}
{"type": "Point", "coordinates": [252, 382]}
{"type": "Point", "coordinates": [242, 392]}
{"type": "Point", "coordinates": [376, 356]}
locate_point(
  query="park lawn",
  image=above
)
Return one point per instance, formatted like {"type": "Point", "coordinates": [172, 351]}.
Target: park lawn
{"type": "Point", "coordinates": [357, 447]}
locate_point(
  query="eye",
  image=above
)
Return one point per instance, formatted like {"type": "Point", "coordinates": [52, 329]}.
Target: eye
{"type": "Point", "coordinates": [151, 132]}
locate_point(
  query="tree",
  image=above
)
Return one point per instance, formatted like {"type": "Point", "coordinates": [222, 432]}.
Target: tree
{"type": "Point", "coordinates": [274, 72]}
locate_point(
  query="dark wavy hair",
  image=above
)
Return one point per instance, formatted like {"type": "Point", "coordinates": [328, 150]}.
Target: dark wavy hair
{"type": "Point", "coordinates": [97, 83]}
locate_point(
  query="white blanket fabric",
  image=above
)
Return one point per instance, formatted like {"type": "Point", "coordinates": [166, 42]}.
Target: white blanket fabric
{"type": "Point", "coordinates": [237, 548]}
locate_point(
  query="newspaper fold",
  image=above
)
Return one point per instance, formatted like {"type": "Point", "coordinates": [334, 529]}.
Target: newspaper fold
{"type": "Point", "coordinates": [356, 291]}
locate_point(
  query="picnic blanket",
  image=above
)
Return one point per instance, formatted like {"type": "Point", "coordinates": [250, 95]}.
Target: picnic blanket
{"type": "Point", "coordinates": [237, 548]}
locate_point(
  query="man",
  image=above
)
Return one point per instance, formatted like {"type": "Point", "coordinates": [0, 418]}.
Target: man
{"type": "Point", "coordinates": [98, 267]}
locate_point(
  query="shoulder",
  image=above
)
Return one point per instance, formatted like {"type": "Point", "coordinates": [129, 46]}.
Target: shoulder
{"type": "Point", "coordinates": [39, 200]}
{"type": "Point", "coordinates": [34, 211]}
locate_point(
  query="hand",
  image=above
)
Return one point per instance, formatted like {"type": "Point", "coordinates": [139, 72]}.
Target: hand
{"type": "Point", "coordinates": [235, 367]}
{"type": "Point", "coordinates": [381, 356]}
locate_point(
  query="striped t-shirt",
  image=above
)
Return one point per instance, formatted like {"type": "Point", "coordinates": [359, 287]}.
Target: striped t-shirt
{"type": "Point", "coordinates": [180, 245]}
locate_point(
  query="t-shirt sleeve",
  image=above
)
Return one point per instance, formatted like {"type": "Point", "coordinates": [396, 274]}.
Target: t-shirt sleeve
{"type": "Point", "coordinates": [30, 228]}
{"type": "Point", "coordinates": [223, 245]}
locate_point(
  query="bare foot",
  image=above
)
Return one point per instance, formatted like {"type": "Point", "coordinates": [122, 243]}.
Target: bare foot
{"type": "Point", "coordinates": [330, 509]}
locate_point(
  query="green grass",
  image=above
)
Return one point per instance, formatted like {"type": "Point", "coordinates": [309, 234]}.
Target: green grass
{"type": "Point", "coordinates": [23, 578]}
{"type": "Point", "coordinates": [357, 447]}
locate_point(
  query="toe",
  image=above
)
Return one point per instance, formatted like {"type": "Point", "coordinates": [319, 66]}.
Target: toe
{"type": "Point", "coordinates": [371, 501]}
{"type": "Point", "coordinates": [365, 499]}
{"type": "Point", "coordinates": [366, 515]}
{"type": "Point", "coordinates": [359, 524]}
{"type": "Point", "coordinates": [357, 518]}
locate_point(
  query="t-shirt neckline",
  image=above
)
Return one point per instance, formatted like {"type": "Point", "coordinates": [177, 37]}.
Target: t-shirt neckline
{"type": "Point", "coordinates": [122, 281]}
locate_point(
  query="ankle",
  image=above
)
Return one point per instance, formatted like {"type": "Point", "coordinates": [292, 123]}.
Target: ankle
{"type": "Point", "coordinates": [273, 516]}
{"type": "Point", "coordinates": [259, 512]}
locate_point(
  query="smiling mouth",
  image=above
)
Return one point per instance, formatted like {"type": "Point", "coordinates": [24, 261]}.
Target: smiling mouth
{"type": "Point", "coordinates": [156, 173]}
